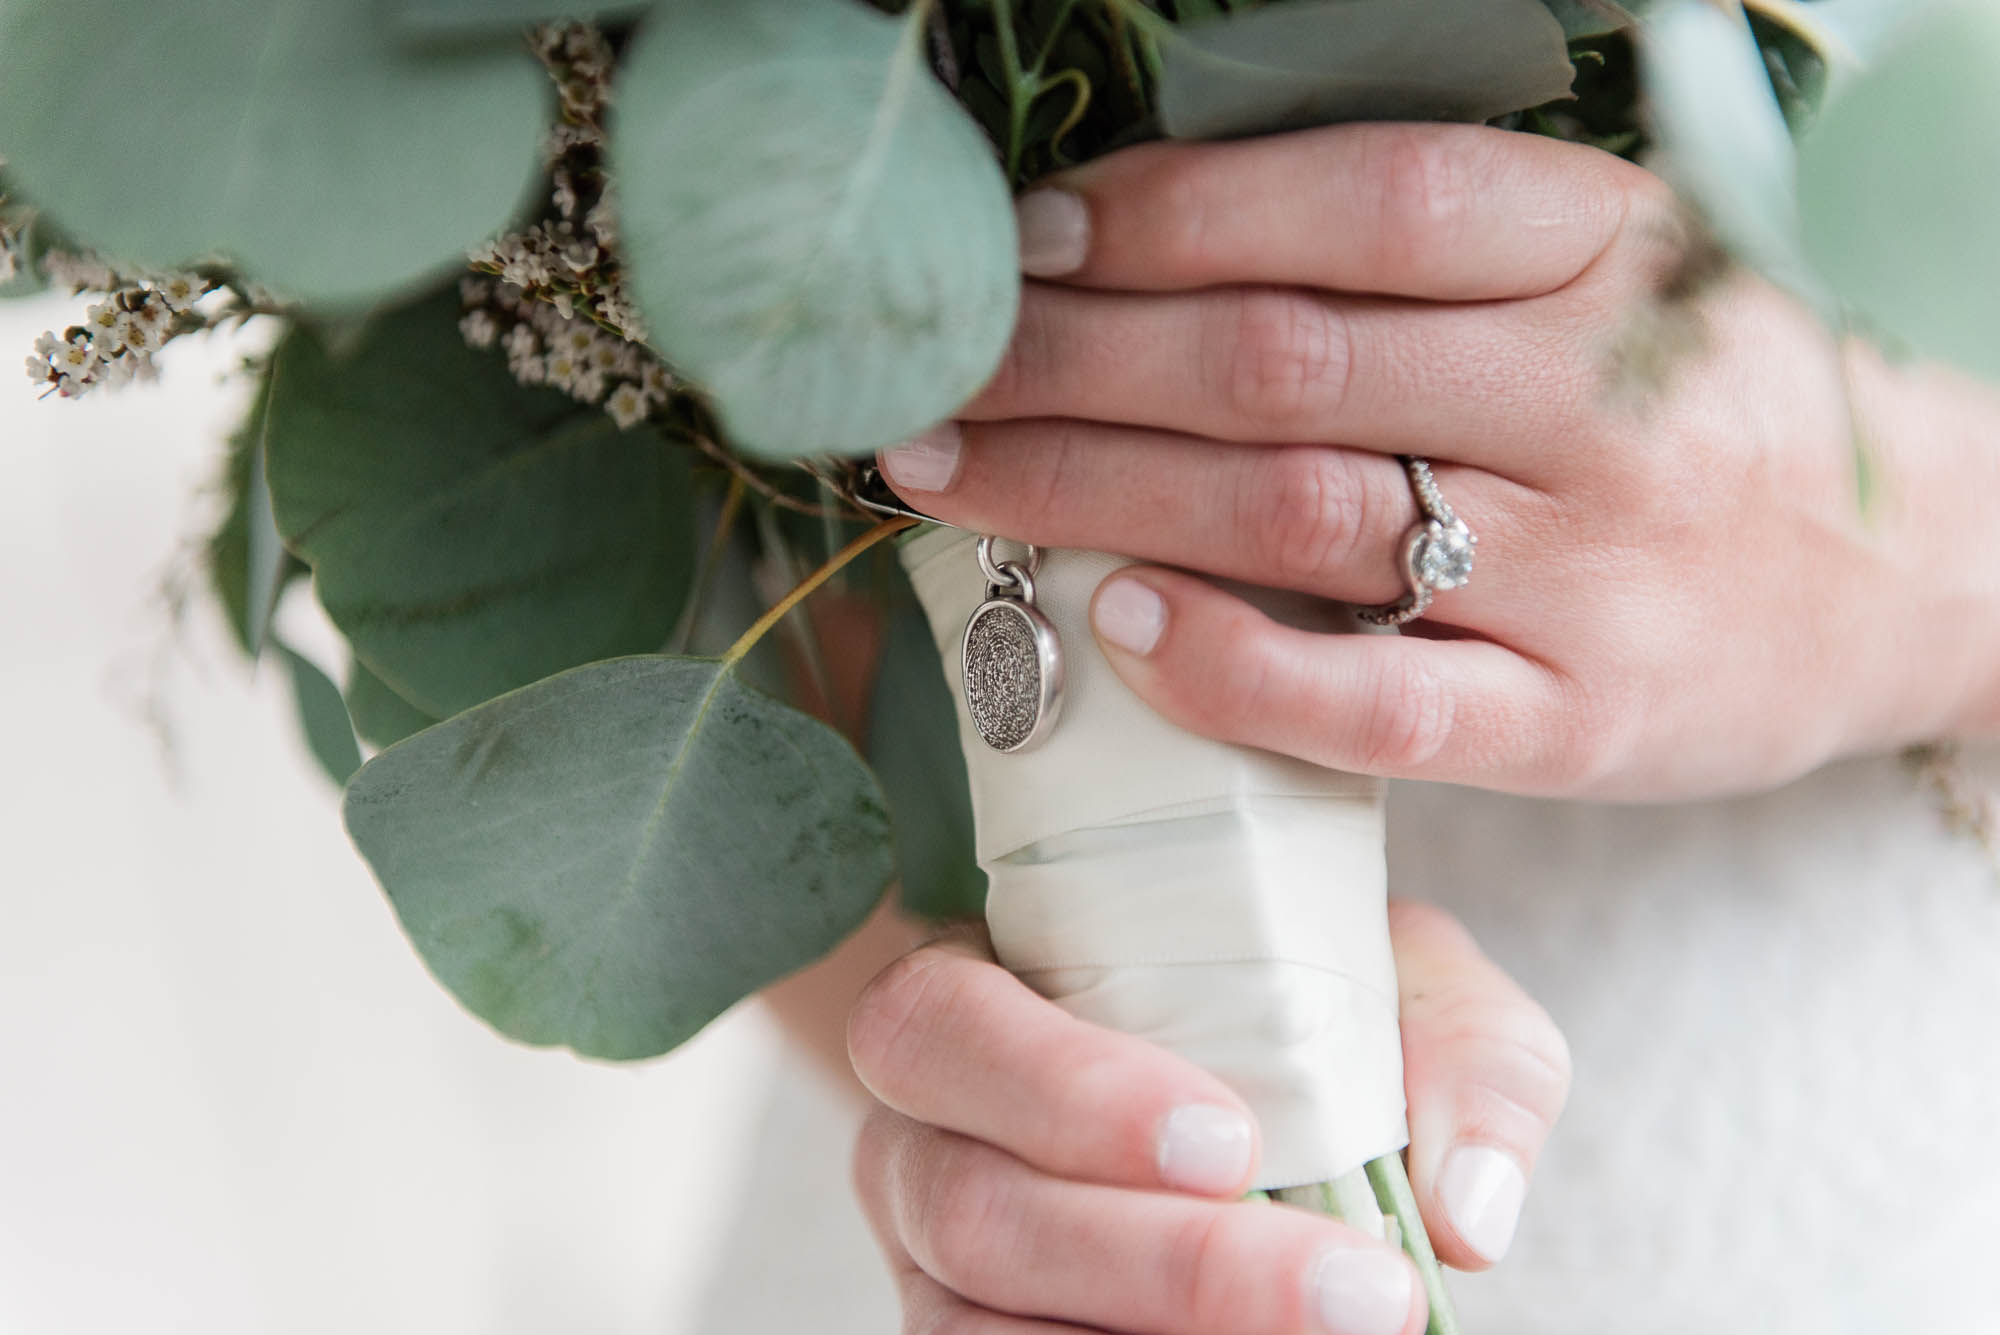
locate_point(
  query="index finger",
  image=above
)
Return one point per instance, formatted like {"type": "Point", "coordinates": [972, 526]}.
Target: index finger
{"type": "Point", "coordinates": [1437, 212]}
{"type": "Point", "coordinates": [955, 1042]}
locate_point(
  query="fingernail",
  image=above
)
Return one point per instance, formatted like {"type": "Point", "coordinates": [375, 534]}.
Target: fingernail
{"type": "Point", "coordinates": [1055, 232]}
{"type": "Point", "coordinates": [924, 463]}
{"type": "Point", "coordinates": [1205, 1148]}
{"type": "Point", "coordinates": [1361, 1291]}
{"type": "Point", "coordinates": [1130, 615]}
{"type": "Point", "coordinates": [1482, 1190]}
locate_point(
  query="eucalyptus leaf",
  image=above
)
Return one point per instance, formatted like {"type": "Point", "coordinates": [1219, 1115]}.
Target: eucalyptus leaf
{"type": "Point", "coordinates": [470, 535]}
{"type": "Point", "coordinates": [816, 232]}
{"type": "Point", "coordinates": [323, 715]}
{"type": "Point", "coordinates": [297, 137]}
{"type": "Point", "coordinates": [1899, 184]}
{"type": "Point", "coordinates": [1595, 18]}
{"type": "Point", "coordinates": [248, 565]}
{"type": "Point", "coordinates": [1320, 61]}
{"type": "Point", "coordinates": [381, 717]}
{"type": "Point", "coordinates": [433, 19]}
{"type": "Point", "coordinates": [913, 746]}
{"type": "Point", "coordinates": [1723, 137]}
{"type": "Point", "coordinates": [609, 859]}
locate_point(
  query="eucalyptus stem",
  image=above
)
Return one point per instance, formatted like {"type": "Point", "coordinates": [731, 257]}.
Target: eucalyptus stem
{"type": "Point", "coordinates": [1377, 1200]}
{"type": "Point", "coordinates": [888, 528]}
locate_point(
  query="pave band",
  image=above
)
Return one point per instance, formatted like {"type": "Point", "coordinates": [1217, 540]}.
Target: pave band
{"type": "Point", "coordinates": [1436, 553]}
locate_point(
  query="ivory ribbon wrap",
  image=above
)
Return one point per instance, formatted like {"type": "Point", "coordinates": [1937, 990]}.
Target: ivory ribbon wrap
{"type": "Point", "coordinates": [1224, 903]}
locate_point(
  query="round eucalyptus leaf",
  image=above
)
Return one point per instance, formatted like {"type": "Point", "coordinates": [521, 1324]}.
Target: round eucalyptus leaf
{"type": "Point", "coordinates": [816, 232]}
{"type": "Point", "coordinates": [467, 534]}
{"type": "Point", "coordinates": [609, 859]}
{"type": "Point", "coordinates": [1899, 186]}
{"type": "Point", "coordinates": [299, 138]}
{"type": "Point", "coordinates": [1723, 135]}
{"type": "Point", "coordinates": [1315, 62]}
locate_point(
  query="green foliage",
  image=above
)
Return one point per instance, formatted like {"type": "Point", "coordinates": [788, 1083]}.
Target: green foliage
{"type": "Point", "coordinates": [1293, 65]}
{"type": "Point", "coordinates": [1899, 184]}
{"type": "Point", "coordinates": [297, 137]}
{"type": "Point", "coordinates": [503, 19]}
{"type": "Point", "coordinates": [322, 713]}
{"type": "Point", "coordinates": [913, 745]}
{"type": "Point", "coordinates": [610, 858]}
{"type": "Point", "coordinates": [380, 716]}
{"type": "Point", "coordinates": [815, 231]}
{"type": "Point", "coordinates": [1727, 146]}
{"type": "Point", "coordinates": [1595, 18]}
{"type": "Point", "coordinates": [248, 566]}
{"type": "Point", "coordinates": [470, 535]}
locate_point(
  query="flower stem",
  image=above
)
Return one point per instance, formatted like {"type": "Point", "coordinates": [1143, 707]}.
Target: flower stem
{"type": "Point", "coordinates": [888, 528]}
{"type": "Point", "coordinates": [1377, 1200]}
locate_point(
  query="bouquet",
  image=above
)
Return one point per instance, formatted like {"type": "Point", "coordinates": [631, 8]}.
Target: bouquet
{"type": "Point", "coordinates": [584, 341]}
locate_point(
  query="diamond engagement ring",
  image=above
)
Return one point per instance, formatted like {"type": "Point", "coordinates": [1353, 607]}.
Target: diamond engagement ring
{"type": "Point", "coordinates": [1436, 555]}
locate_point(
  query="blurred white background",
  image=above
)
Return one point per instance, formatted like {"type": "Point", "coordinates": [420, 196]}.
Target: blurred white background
{"type": "Point", "coordinates": [231, 1100]}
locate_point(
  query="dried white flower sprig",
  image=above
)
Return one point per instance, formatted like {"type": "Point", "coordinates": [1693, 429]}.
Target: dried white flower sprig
{"type": "Point", "coordinates": [118, 336]}
{"type": "Point", "coordinates": [555, 298]}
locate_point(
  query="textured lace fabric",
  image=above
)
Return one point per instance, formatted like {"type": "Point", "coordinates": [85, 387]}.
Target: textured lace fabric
{"type": "Point", "coordinates": [1786, 1116]}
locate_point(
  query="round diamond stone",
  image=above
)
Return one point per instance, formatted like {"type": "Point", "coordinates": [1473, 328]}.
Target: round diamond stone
{"type": "Point", "coordinates": [1444, 558]}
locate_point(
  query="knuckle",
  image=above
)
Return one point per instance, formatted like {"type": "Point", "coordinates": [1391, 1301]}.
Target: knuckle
{"type": "Point", "coordinates": [1307, 516]}
{"type": "Point", "coordinates": [1202, 1272]}
{"type": "Point", "coordinates": [962, 1222]}
{"type": "Point", "coordinates": [1513, 1045]}
{"type": "Point", "coordinates": [1425, 177]}
{"type": "Point", "coordinates": [1407, 719]}
{"type": "Point", "coordinates": [1287, 358]}
{"type": "Point", "coordinates": [885, 1027]}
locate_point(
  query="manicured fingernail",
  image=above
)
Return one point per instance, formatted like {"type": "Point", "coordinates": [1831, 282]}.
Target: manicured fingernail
{"type": "Point", "coordinates": [1130, 615]}
{"type": "Point", "coordinates": [1205, 1148]}
{"type": "Point", "coordinates": [924, 463]}
{"type": "Point", "coordinates": [1055, 232]}
{"type": "Point", "coordinates": [1361, 1291]}
{"type": "Point", "coordinates": [1482, 1190]}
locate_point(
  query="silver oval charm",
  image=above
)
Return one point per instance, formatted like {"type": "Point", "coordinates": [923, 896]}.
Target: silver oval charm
{"type": "Point", "coordinates": [1012, 673]}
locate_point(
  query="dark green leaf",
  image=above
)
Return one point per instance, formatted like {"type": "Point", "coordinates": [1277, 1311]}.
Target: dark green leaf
{"type": "Point", "coordinates": [425, 19]}
{"type": "Point", "coordinates": [611, 858]}
{"type": "Point", "coordinates": [381, 716]}
{"type": "Point", "coordinates": [817, 233]}
{"type": "Point", "coordinates": [1899, 185]}
{"type": "Point", "coordinates": [913, 745]}
{"type": "Point", "coordinates": [248, 566]}
{"type": "Point", "coordinates": [1594, 18]}
{"type": "Point", "coordinates": [297, 136]}
{"type": "Point", "coordinates": [469, 535]}
{"type": "Point", "coordinates": [1320, 61]}
{"type": "Point", "coordinates": [323, 715]}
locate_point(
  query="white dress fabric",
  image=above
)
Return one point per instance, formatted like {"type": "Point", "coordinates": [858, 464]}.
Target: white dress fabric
{"type": "Point", "coordinates": [1786, 1115]}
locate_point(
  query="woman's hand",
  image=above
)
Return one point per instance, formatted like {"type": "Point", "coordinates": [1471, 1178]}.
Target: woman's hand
{"type": "Point", "coordinates": [1030, 1173]}
{"type": "Point", "coordinates": [1679, 590]}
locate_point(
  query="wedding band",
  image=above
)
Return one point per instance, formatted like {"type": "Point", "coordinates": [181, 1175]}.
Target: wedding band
{"type": "Point", "coordinates": [1436, 553]}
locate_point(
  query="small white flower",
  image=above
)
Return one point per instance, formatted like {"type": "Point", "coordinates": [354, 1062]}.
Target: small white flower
{"type": "Point", "coordinates": [120, 370]}
{"type": "Point", "coordinates": [657, 381]}
{"type": "Point", "coordinates": [475, 291]}
{"type": "Point", "coordinates": [180, 291]}
{"type": "Point", "coordinates": [628, 406]}
{"type": "Point", "coordinates": [106, 325]}
{"type": "Point", "coordinates": [564, 303]}
{"type": "Point", "coordinates": [70, 387]}
{"type": "Point", "coordinates": [587, 385]}
{"type": "Point", "coordinates": [76, 358]}
{"type": "Point", "coordinates": [479, 328]}
{"type": "Point", "coordinates": [46, 345]}
{"type": "Point", "coordinates": [562, 369]}
{"type": "Point", "coordinates": [139, 332]}
{"type": "Point", "coordinates": [578, 339]}
{"type": "Point", "coordinates": [78, 273]}
{"type": "Point", "coordinates": [40, 371]}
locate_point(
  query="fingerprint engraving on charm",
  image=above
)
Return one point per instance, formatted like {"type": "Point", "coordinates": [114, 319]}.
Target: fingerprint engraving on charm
{"type": "Point", "coordinates": [1006, 691]}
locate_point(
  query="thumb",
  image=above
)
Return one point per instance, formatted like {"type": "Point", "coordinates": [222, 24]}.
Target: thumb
{"type": "Point", "coordinates": [1486, 1072]}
